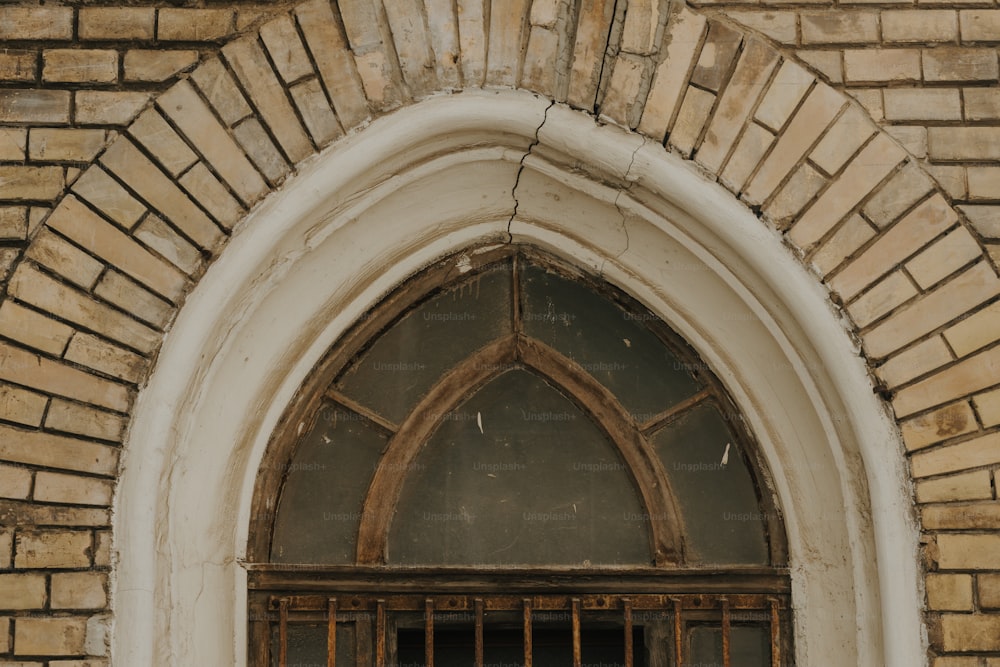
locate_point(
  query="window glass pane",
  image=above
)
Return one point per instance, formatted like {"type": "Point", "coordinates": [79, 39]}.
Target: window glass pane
{"type": "Point", "coordinates": [307, 645]}
{"type": "Point", "coordinates": [320, 506]}
{"type": "Point", "coordinates": [406, 361]}
{"type": "Point", "coordinates": [537, 483]}
{"type": "Point", "coordinates": [749, 646]}
{"type": "Point", "coordinates": [611, 344]}
{"type": "Point", "coordinates": [718, 501]}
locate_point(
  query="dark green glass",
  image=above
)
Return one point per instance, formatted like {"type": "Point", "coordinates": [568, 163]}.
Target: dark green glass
{"type": "Point", "coordinates": [319, 509]}
{"type": "Point", "coordinates": [409, 358]}
{"type": "Point", "coordinates": [516, 475]}
{"type": "Point", "coordinates": [307, 645]}
{"type": "Point", "coordinates": [612, 344]}
{"type": "Point", "coordinates": [749, 646]}
{"type": "Point", "coordinates": [724, 521]}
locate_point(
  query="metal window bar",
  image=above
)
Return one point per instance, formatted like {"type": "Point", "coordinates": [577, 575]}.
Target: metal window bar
{"type": "Point", "coordinates": [682, 609]}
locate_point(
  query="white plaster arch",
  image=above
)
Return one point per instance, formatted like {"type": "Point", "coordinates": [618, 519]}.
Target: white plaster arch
{"type": "Point", "coordinates": [437, 177]}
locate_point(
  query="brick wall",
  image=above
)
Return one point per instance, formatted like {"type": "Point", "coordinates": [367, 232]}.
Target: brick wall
{"type": "Point", "coordinates": [133, 139]}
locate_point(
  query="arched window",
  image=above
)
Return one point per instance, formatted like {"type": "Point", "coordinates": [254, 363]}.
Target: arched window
{"type": "Point", "coordinates": [510, 461]}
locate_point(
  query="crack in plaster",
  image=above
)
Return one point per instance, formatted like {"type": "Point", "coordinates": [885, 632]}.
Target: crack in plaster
{"type": "Point", "coordinates": [520, 169]}
{"type": "Point", "coordinates": [618, 195]}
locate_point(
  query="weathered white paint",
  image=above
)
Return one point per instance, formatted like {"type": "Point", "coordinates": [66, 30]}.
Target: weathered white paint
{"type": "Point", "coordinates": [435, 178]}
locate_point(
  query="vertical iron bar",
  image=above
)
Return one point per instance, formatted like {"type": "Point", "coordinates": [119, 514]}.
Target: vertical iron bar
{"type": "Point", "coordinates": [577, 656]}
{"type": "Point", "coordinates": [331, 633]}
{"type": "Point", "coordinates": [380, 633]}
{"type": "Point", "coordinates": [527, 633]}
{"type": "Point", "coordinates": [775, 635]}
{"type": "Point", "coordinates": [678, 635]}
{"type": "Point", "coordinates": [725, 633]}
{"type": "Point", "coordinates": [627, 605]}
{"type": "Point", "coordinates": [479, 632]}
{"type": "Point", "coordinates": [283, 633]}
{"type": "Point", "coordinates": [429, 632]}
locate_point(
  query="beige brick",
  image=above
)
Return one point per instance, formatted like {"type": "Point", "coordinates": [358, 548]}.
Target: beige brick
{"type": "Point", "coordinates": [903, 190]}
{"type": "Point", "coordinates": [984, 219]}
{"type": "Point", "coordinates": [984, 183]}
{"type": "Point", "coordinates": [252, 136]}
{"type": "Point", "coordinates": [93, 352]}
{"type": "Point", "coordinates": [22, 591]}
{"type": "Point", "coordinates": [5, 626]}
{"type": "Point", "coordinates": [29, 22]}
{"type": "Point", "coordinates": [33, 287]}
{"type": "Point", "coordinates": [64, 144]}
{"type": "Point", "coordinates": [959, 295]}
{"type": "Point", "coordinates": [922, 104]}
{"type": "Point", "coordinates": [79, 590]}
{"type": "Point", "coordinates": [219, 88]}
{"type": "Point", "coordinates": [717, 56]}
{"type": "Point", "coordinates": [980, 25]}
{"type": "Point", "coordinates": [989, 590]}
{"type": "Point", "coordinates": [126, 162]}
{"type": "Point", "coordinates": [919, 25]}
{"type": "Point", "coordinates": [21, 182]}
{"type": "Point", "coordinates": [969, 376]}
{"type": "Point", "coordinates": [443, 25]}
{"type": "Point", "coordinates": [18, 65]}
{"type": "Point", "coordinates": [749, 151]}
{"type": "Point", "coordinates": [53, 252]}
{"type": "Point", "coordinates": [975, 331]}
{"type": "Point", "coordinates": [641, 23]}
{"type": "Point", "coordinates": [21, 406]}
{"type": "Point", "coordinates": [105, 193]}
{"type": "Point", "coordinates": [505, 37]}
{"type": "Point", "coordinates": [885, 296]}
{"type": "Point", "coordinates": [80, 65]}
{"type": "Point", "coordinates": [6, 547]}
{"type": "Point", "coordinates": [193, 117]}
{"type": "Point", "coordinates": [130, 296]}
{"type": "Point", "coordinates": [157, 65]}
{"type": "Point", "coordinates": [13, 222]}
{"type": "Point", "coordinates": [33, 329]}
{"type": "Point", "coordinates": [153, 132]}
{"type": "Point", "coordinates": [286, 49]}
{"type": "Point", "coordinates": [159, 236]}
{"type": "Point", "coordinates": [412, 44]}
{"type": "Point", "coordinates": [682, 43]}
{"type": "Point", "coordinates": [84, 420]}
{"type": "Point", "coordinates": [981, 451]}
{"type": "Point", "coordinates": [252, 69]}
{"type": "Point", "coordinates": [55, 549]}
{"type": "Point", "coordinates": [973, 485]}
{"type": "Point", "coordinates": [473, 40]}
{"type": "Point", "coordinates": [845, 242]}
{"type": "Point", "coordinates": [871, 166]}
{"type": "Point", "coordinates": [778, 25]}
{"type": "Point", "coordinates": [826, 61]}
{"type": "Point", "coordinates": [964, 632]}
{"type": "Point", "coordinates": [49, 636]}
{"type": "Point", "coordinates": [116, 23]}
{"type": "Point", "coordinates": [34, 106]}
{"type": "Point", "coordinates": [941, 424]}
{"type": "Point", "coordinates": [922, 224]}
{"type": "Point", "coordinates": [988, 407]}
{"type": "Point", "coordinates": [958, 64]}
{"type": "Point", "coordinates": [945, 592]}
{"type": "Point", "coordinates": [619, 103]}
{"type": "Point", "coordinates": [881, 65]}
{"type": "Point", "coordinates": [871, 100]}
{"type": "Point", "coordinates": [944, 257]}
{"type": "Point", "coordinates": [55, 487]}
{"type": "Point", "coordinates": [694, 112]}
{"type": "Point", "coordinates": [195, 25]}
{"type": "Point", "coordinates": [319, 118]}
{"type": "Point", "coordinates": [839, 27]}
{"type": "Point", "coordinates": [981, 103]}
{"type": "Point", "coordinates": [85, 227]}
{"type": "Point", "coordinates": [212, 195]}
{"type": "Point", "coordinates": [968, 552]}
{"type": "Point", "coordinates": [810, 121]}
{"type": "Point", "coordinates": [794, 196]}
{"type": "Point", "coordinates": [962, 516]}
{"type": "Point", "coordinates": [14, 483]}
{"type": "Point", "coordinates": [913, 138]}
{"type": "Point", "coordinates": [753, 69]}
{"type": "Point", "coordinates": [102, 548]}
{"type": "Point", "coordinates": [107, 107]}
{"type": "Point", "coordinates": [13, 141]}
{"type": "Point", "coordinates": [336, 65]}
{"type": "Point", "coordinates": [44, 449]}
{"type": "Point", "coordinates": [956, 661]}
{"type": "Point", "coordinates": [33, 514]}
{"type": "Point", "coordinates": [843, 139]}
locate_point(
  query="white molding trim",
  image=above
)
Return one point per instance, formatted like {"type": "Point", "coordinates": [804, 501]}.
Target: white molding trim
{"type": "Point", "coordinates": [438, 177]}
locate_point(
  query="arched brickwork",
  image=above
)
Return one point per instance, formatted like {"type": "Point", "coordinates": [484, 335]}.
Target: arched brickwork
{"type": "Point", "coordinates": [88, 303]}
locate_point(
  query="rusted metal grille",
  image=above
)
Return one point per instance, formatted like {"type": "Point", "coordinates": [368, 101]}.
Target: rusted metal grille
{"type": "Point", "coordinates": [382, 614]}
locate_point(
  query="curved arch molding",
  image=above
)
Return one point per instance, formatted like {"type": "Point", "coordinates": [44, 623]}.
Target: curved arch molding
{"type": "Point", "coordinates": [746, 132]}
